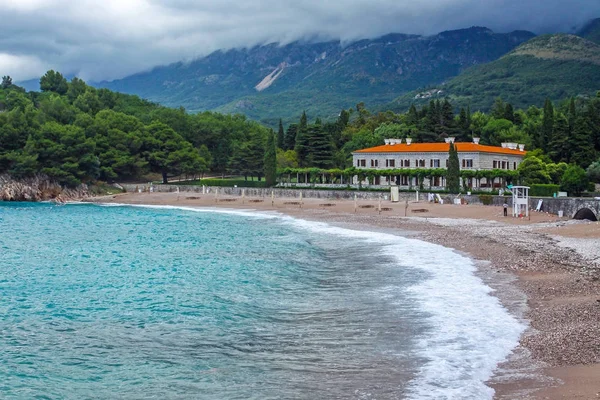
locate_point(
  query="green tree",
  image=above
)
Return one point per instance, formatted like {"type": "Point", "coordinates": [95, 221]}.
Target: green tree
{"type": "Point", "coordinates": [54, 82]}
{"type": "Point", "coordinates": [290, 137]}
{"type": "Point", "coordinates": [6, 82]}
{"type": "Point", "coordinates": [574, 181]}
{"type": "Point", "coordinates": [532, 171]}
{"type": "Point", "coordinates": [593, 172]}
{"type": "Point", "coordinates": [270, 162]}
{"type": "Point", "coordinates": [167, 152]}
{"type": "Point", "coordinates": [280, 136]}
{"type": "Point", "coordinates": [316, 148]}
{"type": "Point", "coordinates": [453, 175]}
{"type": "Point", "coordinates": [581, 143]}
{"type": "Point", "coordinates": [547, 130]}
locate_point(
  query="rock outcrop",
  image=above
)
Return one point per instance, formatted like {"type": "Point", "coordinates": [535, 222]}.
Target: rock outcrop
{"type": "Point", "coordinates": [38, 188]}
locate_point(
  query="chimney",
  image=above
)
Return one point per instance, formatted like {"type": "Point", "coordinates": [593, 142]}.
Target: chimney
{"type": "Point", "coordinates": [504, 145]}
{"type": "Point", "coordinates": [408, 141]}
{"type": "Point", "coordinates": [476, 140]}
{"type": "Point", "coordinates": [512, 146]}
{"type": "Point", "coordinates": [387, 141]}
{"type": "Point", "coordinates": [521, 147]}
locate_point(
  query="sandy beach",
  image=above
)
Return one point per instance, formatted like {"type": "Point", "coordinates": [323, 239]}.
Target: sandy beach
{"type": "Point", "coordinates": [544, 269]}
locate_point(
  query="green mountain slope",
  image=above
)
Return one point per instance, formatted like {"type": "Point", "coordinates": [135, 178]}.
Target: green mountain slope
{"type": "Point", "coordinates": [554, 66]}
{"type": "Point", "coordinates": [591, 31]}
{"type": "Point", "coordinates": [272, 81]}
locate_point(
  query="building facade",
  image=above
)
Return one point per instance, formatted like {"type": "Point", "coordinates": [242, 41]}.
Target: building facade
{"type": "Point", "coordinates": [399, 154]}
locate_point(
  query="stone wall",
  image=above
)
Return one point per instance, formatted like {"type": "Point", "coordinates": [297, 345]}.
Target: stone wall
{"type": "Point", "coordinates": [569, 206]}
{"type": "Point", "coordinates": [277, 192]}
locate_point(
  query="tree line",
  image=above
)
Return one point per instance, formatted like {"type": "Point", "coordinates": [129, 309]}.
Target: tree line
{"type": "Point", "coordinates": [556, 136]}
{"type": "Point", "coordinates": [75, 133]}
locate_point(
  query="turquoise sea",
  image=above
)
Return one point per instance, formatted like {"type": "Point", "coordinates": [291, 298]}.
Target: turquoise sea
{"type": "Point", "coordinates": [123, 302]}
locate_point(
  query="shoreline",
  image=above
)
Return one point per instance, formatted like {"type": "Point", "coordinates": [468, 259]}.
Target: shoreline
{"type": "Point", "coordinates": [540, 280]}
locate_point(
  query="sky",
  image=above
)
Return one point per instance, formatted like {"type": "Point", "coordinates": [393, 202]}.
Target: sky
{"type": "Point", "coordinates": [110, 39]}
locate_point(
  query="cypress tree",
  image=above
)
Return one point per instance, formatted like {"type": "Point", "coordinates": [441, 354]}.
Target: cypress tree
{"type": "Point", "coordinates": [453, 175]}
{"type": "Point", "coordinates": [280, 136]}
{"type": "Point", "coordinates": [547, 130]}
{"type": "Point", "coordinates": [270, 161]}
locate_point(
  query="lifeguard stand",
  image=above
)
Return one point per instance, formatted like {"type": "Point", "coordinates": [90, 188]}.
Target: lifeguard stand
{"type": "Point", "coordinates": [520, 201]}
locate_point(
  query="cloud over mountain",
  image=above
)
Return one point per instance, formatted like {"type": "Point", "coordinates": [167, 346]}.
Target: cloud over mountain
{"type": "Point", "coordinates": [112, 38]}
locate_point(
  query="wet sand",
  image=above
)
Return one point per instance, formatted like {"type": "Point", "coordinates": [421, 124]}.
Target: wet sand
{"type": "Point", "coordinates": [545, 270]}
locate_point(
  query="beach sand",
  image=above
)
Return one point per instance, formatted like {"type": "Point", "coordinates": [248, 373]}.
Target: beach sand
{"type": "Point", "coordinates": [544, 269]}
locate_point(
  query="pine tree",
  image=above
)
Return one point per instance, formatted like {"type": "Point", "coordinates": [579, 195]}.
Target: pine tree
{"type": "Point", "coordinates": [412, 117]}
{"type": "Point", "coordinates": [547, 129]}
{"type": "Point", "coordinates": [509, 113]}
{"type": "Point", "coordinates": [280, 136]}
{"type": "Point", "coordinates": [290, 137]}
{"type": "Point", "coordinates": [453, 175]}
{"type": "Point", "coordinates": [270, 160]}
{"type": "Point", "coordinates": [581, 143]}
{"type": "Point", "coordinates": [303, 121]}
{"type": "Point", "coordinates": [317, 148]}
{"type": "Point", "coordinates": [559, 149]}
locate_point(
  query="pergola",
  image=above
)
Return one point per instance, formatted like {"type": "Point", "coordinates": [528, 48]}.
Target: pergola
{"type": "Point", "coordinates": [520, 201]}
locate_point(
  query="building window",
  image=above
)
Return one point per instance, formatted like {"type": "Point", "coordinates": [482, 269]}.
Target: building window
{"type": "Point", "coordinates": [496, 164]}
{"type": "Point", "coordinates": [374, 163]}
{"type": "Point", "coordinates": [421, 163]}
{"type": "Point", "coordinates": [404, 180]}
{"type": "Point", "coordinates": [390, 163]}
{"type": "Point", "coordinates": [503, 164]}
{"type": "Point", "coordinates": [515, 165]}
{"type": "Point", "coordinates": [436, 181]}
{"type": "Point", "coordinates": [361, 163]}
{"type": "Point", "coordinates": [468, 163]}
{"type": "Point", "coordinates": [406, 163]}
{"type": "Point", "coordinates": [435, 163]}
{"type": "Point", "coordinates": [447, 161]}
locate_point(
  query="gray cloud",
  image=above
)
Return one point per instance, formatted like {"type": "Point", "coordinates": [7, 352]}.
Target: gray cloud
{"type": "Point", "coordinates": [112, 38]}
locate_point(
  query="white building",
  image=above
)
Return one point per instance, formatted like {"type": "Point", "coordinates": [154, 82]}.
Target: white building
{"type": "Point", "coordinates": [396, 154]}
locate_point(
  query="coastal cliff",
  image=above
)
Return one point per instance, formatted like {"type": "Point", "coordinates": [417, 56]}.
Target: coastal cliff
{"type": "Point", "coordinates": [38, 188]}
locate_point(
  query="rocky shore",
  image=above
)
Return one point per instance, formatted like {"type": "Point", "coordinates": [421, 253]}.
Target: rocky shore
{"type": "Point", "coordinates": [545, 270]}
{"type": "Point", "coordinates": [38, 188]}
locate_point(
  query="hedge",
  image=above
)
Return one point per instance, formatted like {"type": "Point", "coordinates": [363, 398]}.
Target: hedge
{"type": "Point", "coordinates": [543, 190]}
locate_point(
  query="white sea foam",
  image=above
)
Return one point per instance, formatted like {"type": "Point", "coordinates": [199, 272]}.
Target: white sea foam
{"type": "Point", "coordinates": [240, 212]}
{"type": "Point", "coordinates": [471, 332]}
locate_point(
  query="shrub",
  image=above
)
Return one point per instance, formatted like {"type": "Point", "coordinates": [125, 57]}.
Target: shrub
{"type": "Point", "coordinates": [543, 190]}
{"type": "Point", "coordinates": [486, 199]}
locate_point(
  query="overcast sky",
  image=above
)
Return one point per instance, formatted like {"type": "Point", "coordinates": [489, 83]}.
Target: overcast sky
{"type": "Point", "coordinates": [108, 39]}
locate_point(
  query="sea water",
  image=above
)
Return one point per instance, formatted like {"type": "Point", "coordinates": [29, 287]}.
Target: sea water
{"type": "Point", "coordinates": [159, 302]}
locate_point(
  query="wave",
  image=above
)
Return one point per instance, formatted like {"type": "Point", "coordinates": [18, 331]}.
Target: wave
{"type": "Point", "coordinates": [470, 331]}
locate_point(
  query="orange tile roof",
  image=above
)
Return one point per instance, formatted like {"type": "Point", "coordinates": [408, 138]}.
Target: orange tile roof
{"type": "Point", "coordinates": [467, 147]}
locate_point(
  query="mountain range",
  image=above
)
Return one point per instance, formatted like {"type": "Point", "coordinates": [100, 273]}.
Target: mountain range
{"type": "Point", "coordinates": [550, 66]}
{"type": "Point", "coordinates": [470, 66]}
{"type": "Point", "coordinates": [272, 81]}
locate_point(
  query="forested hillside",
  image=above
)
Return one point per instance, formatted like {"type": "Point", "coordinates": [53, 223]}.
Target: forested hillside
{"type": "Point", "coordinates": [549, 66]}
{"type": "Point", "coordinates": [75, 133]}
{"type": "Point", "coordinates": [273, 81]}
